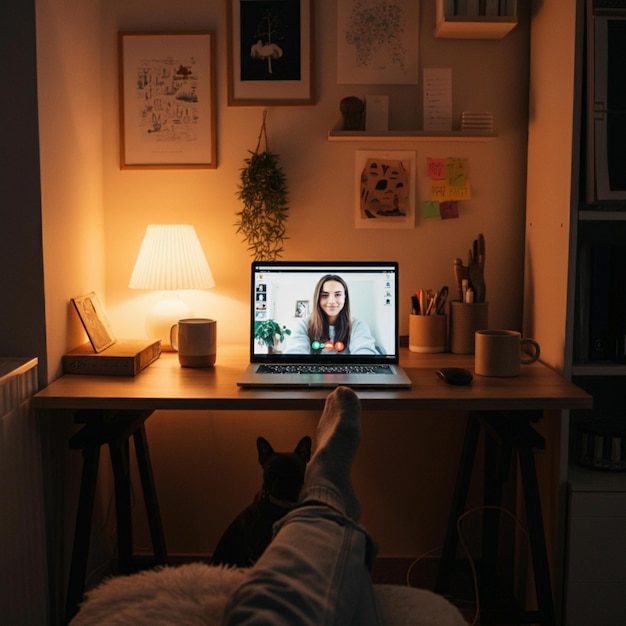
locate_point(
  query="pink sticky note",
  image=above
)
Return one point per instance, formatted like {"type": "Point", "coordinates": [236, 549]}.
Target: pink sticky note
{"type": "Point", "coordinates": [449, 209]}
{"type": "Point", "coordinates": [435, 168]}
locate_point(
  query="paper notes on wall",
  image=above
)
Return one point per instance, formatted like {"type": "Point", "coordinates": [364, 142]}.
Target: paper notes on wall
{"type": "Point", "coordinates": [449, 184]}
{"type": "Point", "coordinates": [437, 99]}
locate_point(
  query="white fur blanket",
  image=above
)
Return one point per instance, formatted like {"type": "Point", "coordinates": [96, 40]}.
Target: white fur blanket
{"type": "Point", "coordinates": [195, 595]}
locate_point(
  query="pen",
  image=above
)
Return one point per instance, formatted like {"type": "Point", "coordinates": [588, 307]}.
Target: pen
{"type": "Point", "coordinates": [415, 305]}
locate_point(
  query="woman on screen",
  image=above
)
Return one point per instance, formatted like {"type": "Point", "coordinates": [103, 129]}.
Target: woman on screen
{"type": "Point", "coordinates": [330, 329]}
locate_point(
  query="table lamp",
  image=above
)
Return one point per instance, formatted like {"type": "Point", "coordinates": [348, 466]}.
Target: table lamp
{"type": "Point", "coordinates": [170, 259]}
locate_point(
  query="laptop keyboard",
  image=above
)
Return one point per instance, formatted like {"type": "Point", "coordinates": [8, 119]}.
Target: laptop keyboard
{"type": "Point", "coordinates": [339, 368]}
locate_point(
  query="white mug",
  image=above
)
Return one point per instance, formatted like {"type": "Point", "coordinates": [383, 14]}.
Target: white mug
{"type": "Point", "coordinates": [195, 341]}
{"type": "Point", "coordinates": [501, 352]}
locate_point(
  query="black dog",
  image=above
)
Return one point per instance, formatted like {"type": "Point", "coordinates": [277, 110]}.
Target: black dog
{"type": "Point", "coordinates": [250, 532]}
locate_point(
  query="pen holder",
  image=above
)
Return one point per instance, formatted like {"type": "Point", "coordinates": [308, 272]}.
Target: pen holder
{"type": "Point", "coordinates": [465, 320]}
{"type": "Point", "coordinates": [428, 333]}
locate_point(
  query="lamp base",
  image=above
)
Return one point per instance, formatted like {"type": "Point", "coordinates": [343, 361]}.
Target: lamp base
{"type": "Point", "coordinates": [163, 316]}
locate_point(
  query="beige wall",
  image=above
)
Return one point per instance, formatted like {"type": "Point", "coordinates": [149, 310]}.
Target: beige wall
{"type": "Point", "coordinates": [205, 462]}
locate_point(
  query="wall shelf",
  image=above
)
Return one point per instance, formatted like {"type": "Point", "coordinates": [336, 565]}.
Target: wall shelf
{"type": "Point", "coordinates": [453, 26]}
{"type": "Point", "coordinates": [408, 135]}
{"type": "Point", "coordinates": [599, 368]}
{"type": "Point", "coordinates": [602, 216]}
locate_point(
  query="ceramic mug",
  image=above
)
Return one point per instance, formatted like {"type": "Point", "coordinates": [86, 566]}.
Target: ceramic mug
{"type": "Point", "coordinates": [501, 352]}
{"type": "Point", "coordinates": [195, 341]}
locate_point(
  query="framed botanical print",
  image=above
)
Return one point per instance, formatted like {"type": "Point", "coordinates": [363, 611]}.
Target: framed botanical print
{"type": "Point", "coordinates": [270, 52]}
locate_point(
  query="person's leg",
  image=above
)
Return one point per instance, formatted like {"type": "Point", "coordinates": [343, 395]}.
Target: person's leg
{"type": "Point", "coordinates": [316, 571]}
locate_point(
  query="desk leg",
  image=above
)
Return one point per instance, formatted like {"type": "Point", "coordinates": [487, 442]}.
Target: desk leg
{"type": "Point", "coordinates": [464, 474]}
{"type": "Point", "coordinates": [541, 570]}
{"type": "Point", "coordinates": [149, 495]}
{"type": "Point", "coordinates": [121, 473]}
{"type": "Point", "coordinates": [82, 531]}
{"type": "Point", "coordinates": [497, 458]}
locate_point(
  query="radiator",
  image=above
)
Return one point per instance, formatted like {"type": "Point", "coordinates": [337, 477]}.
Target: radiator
{"type": "Point", "coordinates": [23, 564]}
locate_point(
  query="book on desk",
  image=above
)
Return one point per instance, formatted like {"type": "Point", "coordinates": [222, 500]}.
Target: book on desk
{"type": "Point", "coordinates": [126, 357]}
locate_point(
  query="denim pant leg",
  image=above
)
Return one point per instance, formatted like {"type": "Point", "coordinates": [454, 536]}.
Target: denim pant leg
{"type": "Point", "coordinates": [316, 572]}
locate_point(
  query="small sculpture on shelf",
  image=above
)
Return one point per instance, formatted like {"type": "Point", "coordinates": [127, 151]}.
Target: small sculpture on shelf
{"type": "Point", "coordinates": [353, 113]}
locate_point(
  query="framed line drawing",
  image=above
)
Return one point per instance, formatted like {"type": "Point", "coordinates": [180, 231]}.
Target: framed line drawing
{"type": "Point", "coordinates": [270, 52]}
{"type": "Point", "coordinates": [94, 321]}
{"type": "Point", "coordinates": [167, 100]}
{"type": "Point", "coordinates": [377, 42]}
{"type": "Point", "coordinates": [385, 189]}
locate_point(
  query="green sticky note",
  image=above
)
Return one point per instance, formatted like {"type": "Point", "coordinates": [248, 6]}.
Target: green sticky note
{"type": "Point", "coordinates": [431, 208]}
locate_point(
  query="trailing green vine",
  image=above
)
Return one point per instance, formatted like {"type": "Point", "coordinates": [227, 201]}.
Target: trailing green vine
{"type": "Point", "coordinates": [263, 192]}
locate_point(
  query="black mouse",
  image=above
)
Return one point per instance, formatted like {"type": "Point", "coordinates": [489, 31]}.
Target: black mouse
{"type": "Point", "coordinates": [455, 375]}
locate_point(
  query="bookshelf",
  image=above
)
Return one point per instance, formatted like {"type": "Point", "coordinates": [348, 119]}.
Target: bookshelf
{"type": "Point", "coordinates": [475, 19]}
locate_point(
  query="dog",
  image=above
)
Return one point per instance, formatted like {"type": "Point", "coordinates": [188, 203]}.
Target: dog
{"type": "Point", "coordinates": [250, 532]}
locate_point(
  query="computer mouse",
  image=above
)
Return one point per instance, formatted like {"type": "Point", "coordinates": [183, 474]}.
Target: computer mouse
{"type": "Point", "coordinates": [455, 375]}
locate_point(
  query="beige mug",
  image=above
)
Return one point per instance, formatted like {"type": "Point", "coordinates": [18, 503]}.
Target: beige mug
{"type": "Point", "coordinates": [195, 341]}
{"type": "Point", "coordinates": [501, 352]}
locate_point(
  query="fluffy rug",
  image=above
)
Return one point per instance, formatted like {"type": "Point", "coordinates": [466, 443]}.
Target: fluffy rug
{"type": "Point", "coordinates": [195, 595]}
{"type": "Point", "coordinates": [188, 595]}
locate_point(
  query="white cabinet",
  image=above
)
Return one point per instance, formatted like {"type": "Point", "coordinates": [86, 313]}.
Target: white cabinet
{"type": "Point", "coordinates": [596, 549]}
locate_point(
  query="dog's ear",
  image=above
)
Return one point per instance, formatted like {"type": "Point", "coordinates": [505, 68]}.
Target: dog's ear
{"type": "Point", "coordinates": [265, 450]}
{"type": "Point", "coordinates": [303, 449]}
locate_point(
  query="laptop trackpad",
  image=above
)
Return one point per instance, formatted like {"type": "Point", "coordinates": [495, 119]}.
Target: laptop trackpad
{"type": "Point", "coordinates": [332, 380]}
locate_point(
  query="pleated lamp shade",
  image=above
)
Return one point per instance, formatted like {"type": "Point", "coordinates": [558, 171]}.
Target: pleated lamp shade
{"type": "Point", "coordinates": [170, 259]}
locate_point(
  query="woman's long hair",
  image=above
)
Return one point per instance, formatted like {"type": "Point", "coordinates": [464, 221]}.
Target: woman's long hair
{"type": "Point", "coordinates": [318, 322]}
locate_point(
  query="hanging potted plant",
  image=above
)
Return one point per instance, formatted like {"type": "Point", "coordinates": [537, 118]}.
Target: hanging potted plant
{"type": "Point", "coordinates": [270, 333]}
{"type": "Point", "coordinates": [263, 192]}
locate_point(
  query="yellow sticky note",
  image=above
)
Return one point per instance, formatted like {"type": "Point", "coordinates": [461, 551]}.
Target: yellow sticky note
{"type": "Point", "coordinates": [460, 193]}
{"type": "Point", "coordinates": [456, 172]}
{"type": "Point", "coordinates": [442, 192]}
{"type": "Point", "coordinates": [438, 190]}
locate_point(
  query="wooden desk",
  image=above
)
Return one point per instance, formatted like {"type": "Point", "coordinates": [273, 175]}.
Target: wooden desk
{"type": "Point", "coordinates": [166, 385]}
{"type": "Point", "coordinates": [113, 409]}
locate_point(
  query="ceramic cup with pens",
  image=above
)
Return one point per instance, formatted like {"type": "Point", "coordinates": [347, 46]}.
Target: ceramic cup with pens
{"type": "Point", "coordinates": [502, 352]}
{"type": "Point", "coordinates": [195, 341]}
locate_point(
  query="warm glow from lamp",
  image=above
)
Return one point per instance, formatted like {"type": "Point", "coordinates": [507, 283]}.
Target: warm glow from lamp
{"type": "Point", "coordinates": [170, 259]}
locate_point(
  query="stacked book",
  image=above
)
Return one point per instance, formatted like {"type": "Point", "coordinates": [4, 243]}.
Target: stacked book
{"type": "Point", "coordinates": [482, 122]}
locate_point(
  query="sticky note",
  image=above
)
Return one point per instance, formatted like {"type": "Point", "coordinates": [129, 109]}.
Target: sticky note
{"type": "Point", "coordinates": [438, 190]}
{"type": "Point", "coordinates": [431, 209]}
{"type": "Point", "coordinates": [435, 168]}
{"type": "Point", "coordinates": [449, 209]}
{"type": "Point", "coordinates": [463, 192]}
{"type": "Point", "coordinates": [456, 172]}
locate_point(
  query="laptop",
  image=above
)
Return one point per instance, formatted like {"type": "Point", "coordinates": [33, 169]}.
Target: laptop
{"type": "Point", "coordinates": [324, 324]}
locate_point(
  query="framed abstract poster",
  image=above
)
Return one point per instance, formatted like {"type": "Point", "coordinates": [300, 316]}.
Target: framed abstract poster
{"type": "Point", "coordinates": [270, 52]}
{"type": "Point", "coordinates": [385, 189]}
{"type": "Point", "coordinates": [167, 100]}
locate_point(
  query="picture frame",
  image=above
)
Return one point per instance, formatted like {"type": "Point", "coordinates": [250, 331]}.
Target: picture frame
{"type": "Point", "coordinates": [270, 55]}
{"type": "Point", "coordinates": [167, 100]}
{"type": "Point", "coordinates": [94, 321]}
{"type": "Point", "coordinates": [385, 189]}
{"type": "Point", "coordinates": [370, 55]}
{"type": "Point", "coordinates": [302, 309]}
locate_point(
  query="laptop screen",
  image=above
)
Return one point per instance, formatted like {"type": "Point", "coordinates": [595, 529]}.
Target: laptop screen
{"type": "Point", "coordinates": [324, 311]}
